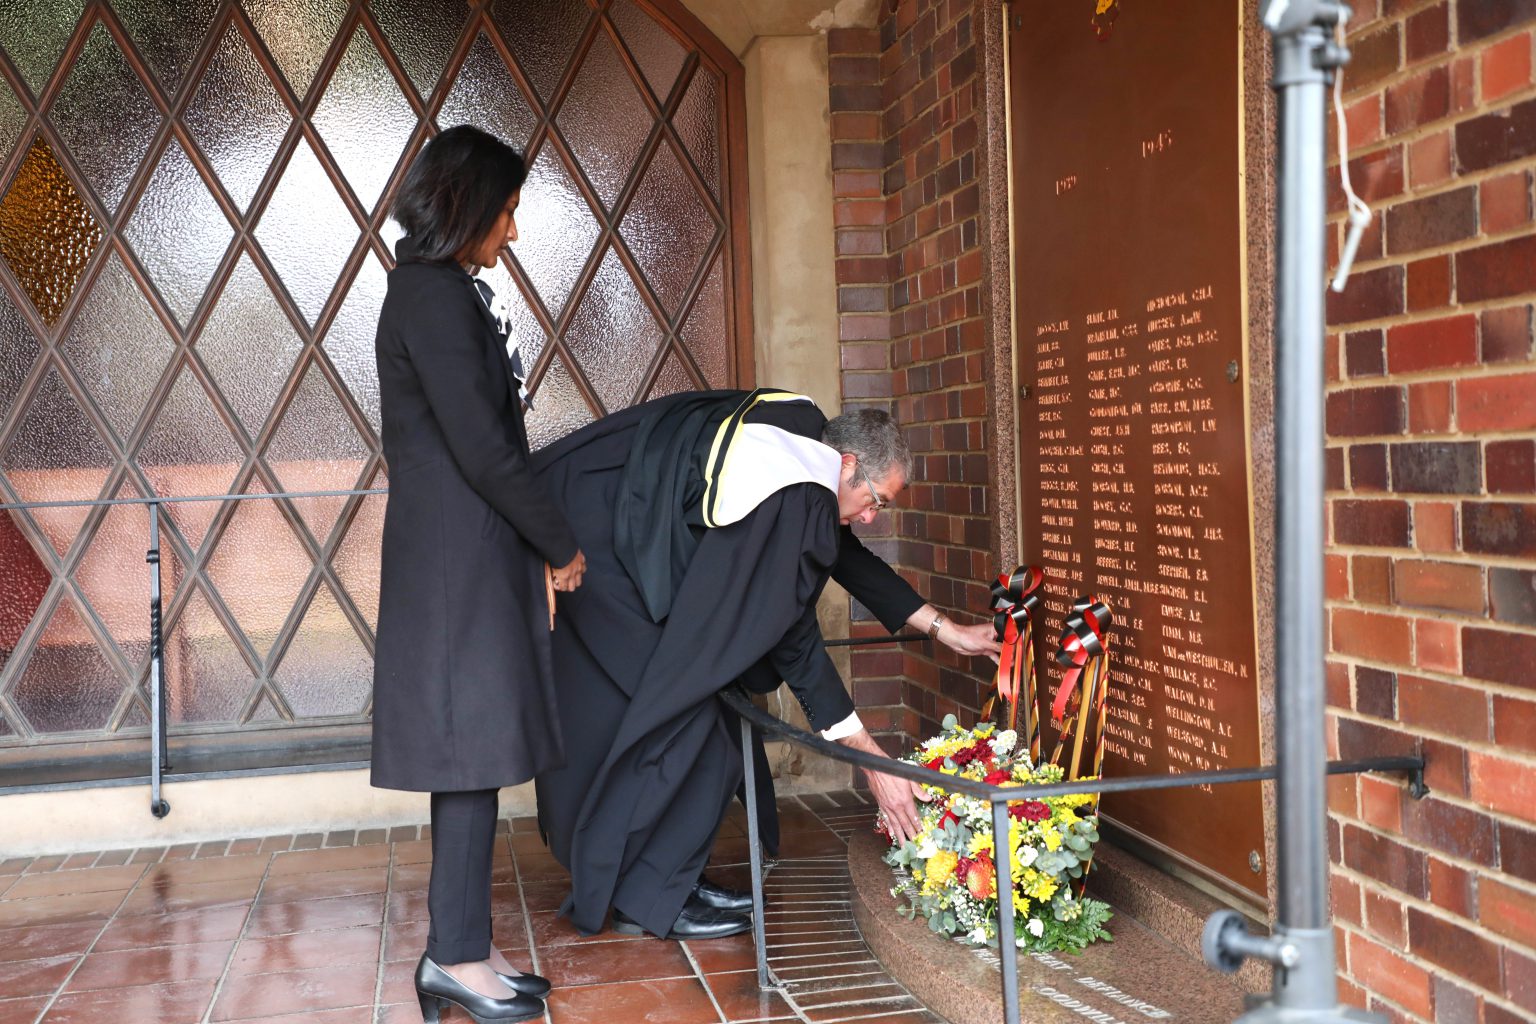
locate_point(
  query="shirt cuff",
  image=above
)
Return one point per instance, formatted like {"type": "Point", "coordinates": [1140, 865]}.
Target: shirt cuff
{"type": "Point", "coordinates": [847, 727]}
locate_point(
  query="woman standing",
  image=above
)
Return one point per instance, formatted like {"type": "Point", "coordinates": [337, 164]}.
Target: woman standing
{"type": "Point", "coordinates": [463, 687]}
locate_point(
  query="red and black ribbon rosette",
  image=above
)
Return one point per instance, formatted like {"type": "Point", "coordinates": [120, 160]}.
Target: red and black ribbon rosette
{"type": "Point", "coordinates": [1084, 653]}
{"type": "Point", "coordinates": [1015, 597]}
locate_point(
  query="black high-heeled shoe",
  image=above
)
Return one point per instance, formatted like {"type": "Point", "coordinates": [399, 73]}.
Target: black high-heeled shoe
{"type": "Point", "coordinates": [435, 987]}
{"type": "Point", "coordinates": [527, 984]}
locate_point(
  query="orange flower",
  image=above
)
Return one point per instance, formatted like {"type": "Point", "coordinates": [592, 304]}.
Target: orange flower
{"type": "Point", "coordinates": [981, 878]}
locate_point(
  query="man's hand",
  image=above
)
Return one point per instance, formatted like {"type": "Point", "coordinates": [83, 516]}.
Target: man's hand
{"type": "Point", "coordinates": [974, 640]}
{"type": "Point", "coordinates": [568, 577]}
{"type": "Point", "coordinates": [897, 797]}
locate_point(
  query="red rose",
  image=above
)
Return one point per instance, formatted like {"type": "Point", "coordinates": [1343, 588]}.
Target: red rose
{"type": "Point", "coordinates": [935, 764]}
{"type": "Point", "coordinates": [1034, 810]}
{"type": "Point", "coordinates": [998, 777]}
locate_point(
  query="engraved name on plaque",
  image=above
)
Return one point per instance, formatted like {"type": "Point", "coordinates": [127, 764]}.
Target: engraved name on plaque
{"type": "Point", "coordinates": [1128, 256]}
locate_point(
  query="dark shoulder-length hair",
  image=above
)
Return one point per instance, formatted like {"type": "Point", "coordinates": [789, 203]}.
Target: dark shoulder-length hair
{"type": "Point", "coordinates": [455, 190]}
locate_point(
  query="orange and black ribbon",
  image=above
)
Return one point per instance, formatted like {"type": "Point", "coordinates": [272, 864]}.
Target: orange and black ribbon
{"type": "Point", "coordinates": [1084, 653]}
{"type": "Point", "coordinates": [1015, 596]}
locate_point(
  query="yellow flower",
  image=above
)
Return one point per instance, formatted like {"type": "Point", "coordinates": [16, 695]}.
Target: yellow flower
{"type": "Point", "coordinates": [1052, 839]}
{"type": "Point", "coordinates": [940, 869]}
{"type": "Point", "coordinates": [981, 842]}
{"type": "Point", "coordinates": [1037, 885]}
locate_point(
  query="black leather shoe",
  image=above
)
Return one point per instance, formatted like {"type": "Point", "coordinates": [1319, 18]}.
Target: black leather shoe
{"type": "Point", "coordinates": [527, 984]}
{"type": "Point", "coordinates": [721, 898]}
{"type": "Point", "coordinates": [435, 988]}
{"type": "Point", "coordinates": [697, 921]}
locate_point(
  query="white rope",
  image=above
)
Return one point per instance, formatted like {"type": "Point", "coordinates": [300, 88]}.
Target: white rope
{"type": "Point", "coordinates": [1359, 212]}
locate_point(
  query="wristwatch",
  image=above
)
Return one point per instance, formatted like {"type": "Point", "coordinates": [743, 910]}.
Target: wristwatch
{"type": "Point", "coordinates": [936, 625]}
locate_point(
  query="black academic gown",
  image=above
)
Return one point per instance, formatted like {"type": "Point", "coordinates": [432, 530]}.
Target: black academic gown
{"type": "Point", "coordinates": [463, 685]}
{"type": "Point", "coordinates": [650, 761]}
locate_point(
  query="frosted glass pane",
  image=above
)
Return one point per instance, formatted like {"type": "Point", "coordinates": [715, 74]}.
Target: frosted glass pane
{"type": "Point", "coordinates": [56, 455]}
{"type": "Point", "coordinates": [356, 561]}
{"type": "Point", "coordinates": [349, 342]}
{"type": "Point", "coordinates": [47, 234]}
{"type": "Point", "coordinates": [105, 117]}
{"type": "Point", "coordinates": [307, 232]}
{"type": "Point", "coordinates": [558, 407]}
{"type": "Point", "coordinates": [668, 228]}
{"type": "Point", "coordinates": [659, 55]}
{"type": "Point", "coordinates": [179, 232]}
{"type": "Point", "coordinates": [265, 712]}
{"type": "Point", "coordinates": [524, 326]}
{"type": "Point", "coordinates": [24, 581]}
{"type": "Point", "coordinates": [237, 117]}
{"type": "Point", "coordinates": [118, 347]}
{"type": "Point", "coordinates": [674, 377]}
{"type": "Point", "coordinates": [422, 33]}
{"type": "Point", "coordinates": [542, 37]}
{"type": "Point", "coordinates": [556, 230]}
{"type": "Point", "coordinates": [115, 578]}
{"type": "Point", "coordinates": [258, 568]}
{"type": "Point", "coordinates": [613, 335]}
{"type": "Point", "coordinates": [249, 345]}
{"type": "Point", "coordinates": [18, 351]}
{"type": "Point", "coordinates": [33, 35]}
{"type": "Point", "coordinates": [206, 677]}
{"type": "Point", "coordinates": [704, 333]}
{"type": "Point", "coordinates": [486, 95]}
{"type": "Point", "coordinates": [13, 118]}
{"type": "Point", "coordinates": [189, 450]}
{"type": "Point", "coordinates": [167, 32]}
{"type": "Point", "coordinates": [298, 32]}
{"type": "Point", "coordinates": [604, 120]}
{"type": "Point", "coordinates": [67, 684]}
{"type": "Point", "coordinates": [364, 119]}
{"type": "Point", "coordinates": [326, 671]}
{"type": "Point", "coordinates": [316, 448]}
{"type": "Point", "coordinates": [698, 124]}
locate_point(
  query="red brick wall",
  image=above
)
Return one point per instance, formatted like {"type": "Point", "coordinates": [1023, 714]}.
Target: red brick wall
{"type": "Point", "coordinates": [1431, 419]}
{"type": "Point", "coordinates": [1432, 457]}
{"type": "Point", "coordinates": [905, 121]}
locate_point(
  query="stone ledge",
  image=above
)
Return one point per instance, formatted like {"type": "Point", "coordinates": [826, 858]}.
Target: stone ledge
{"type": "Point", "coordinates": [1138, 978]}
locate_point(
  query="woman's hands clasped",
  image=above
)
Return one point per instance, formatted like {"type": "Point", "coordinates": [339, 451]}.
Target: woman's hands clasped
{"type": "Point", "coordinates": [568, 576]}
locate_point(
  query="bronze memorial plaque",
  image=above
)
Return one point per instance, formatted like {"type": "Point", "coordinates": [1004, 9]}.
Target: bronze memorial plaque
{"type": "Point", "coordinates": [1128, 256]}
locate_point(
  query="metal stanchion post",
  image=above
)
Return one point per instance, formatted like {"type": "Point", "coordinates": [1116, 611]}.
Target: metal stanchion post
{"type": "Point", "coordinates": [765, 978]}
{"type": "Point", "coordinates": [1301, 946]}
{"type": "Point", "coordinates": [160, 749]}
{"type": "Point", "coordinates": [1007, 943]}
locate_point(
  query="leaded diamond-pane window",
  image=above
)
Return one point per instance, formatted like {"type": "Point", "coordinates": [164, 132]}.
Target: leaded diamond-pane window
{"type": "Point", "coordinates": [194, 239]}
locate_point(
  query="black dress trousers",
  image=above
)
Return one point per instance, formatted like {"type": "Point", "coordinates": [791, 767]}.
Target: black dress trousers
{"type": "Point", "coordinates": [459, 894]}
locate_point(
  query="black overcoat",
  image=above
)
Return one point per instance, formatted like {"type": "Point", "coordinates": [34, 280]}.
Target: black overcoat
{"type": "Point", "coordinates": [463, 682]}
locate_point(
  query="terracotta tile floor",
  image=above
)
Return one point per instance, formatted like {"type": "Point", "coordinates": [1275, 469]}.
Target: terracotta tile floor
{"type": "Point", "coordinates": [326, 929]}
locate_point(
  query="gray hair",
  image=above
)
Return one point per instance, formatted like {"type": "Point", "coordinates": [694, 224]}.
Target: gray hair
{"type": "Point", "coordinates": [871, 436]}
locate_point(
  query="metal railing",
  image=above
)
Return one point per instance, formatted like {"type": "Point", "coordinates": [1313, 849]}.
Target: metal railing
{"type": "Point", "coordinates": [159, 744]}
{"type": "Point", "coordinates": [998, 796]}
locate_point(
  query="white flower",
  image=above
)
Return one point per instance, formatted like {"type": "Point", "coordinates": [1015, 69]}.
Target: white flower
{"type": "Point", "coordinates": [929, 848]}
{"type": "Point", "coordinates": [1036, 927]}
{"type": "Point", "coordinates": [978, 934]}
{"type": "Point", "coordinates": [1003, 742]}
{"type": "Point", "coordinates": [1027, 855]}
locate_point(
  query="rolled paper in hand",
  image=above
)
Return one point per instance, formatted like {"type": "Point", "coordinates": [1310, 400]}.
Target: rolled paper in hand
{"type": "Point", "coordinates": [549, 593]}
{"type": "Point", "coordinates": [1015, 596]}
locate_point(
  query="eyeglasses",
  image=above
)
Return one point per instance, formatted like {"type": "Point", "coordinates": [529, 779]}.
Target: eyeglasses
{"type": "Point", "coordinates": [878, 502]}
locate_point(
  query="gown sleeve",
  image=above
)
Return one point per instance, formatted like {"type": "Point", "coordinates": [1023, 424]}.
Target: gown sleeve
{"type": "Point", "coordinates": [873, 583]}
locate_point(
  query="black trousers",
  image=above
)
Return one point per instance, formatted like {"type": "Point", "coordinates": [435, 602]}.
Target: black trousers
{"type": "Point", "coordinates": [459, 894]}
